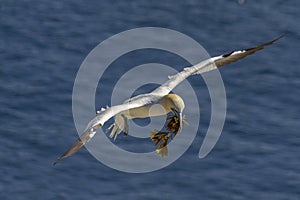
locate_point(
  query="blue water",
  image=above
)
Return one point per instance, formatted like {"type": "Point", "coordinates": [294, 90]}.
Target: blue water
{"type": "Point", "coordinates": [42, 46]}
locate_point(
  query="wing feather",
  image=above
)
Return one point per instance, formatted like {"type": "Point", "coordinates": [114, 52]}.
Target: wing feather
{"type": "Point", "coordinates": [105, 115]}
{"type": "Point", "coordinates": [237, 55]}
{"type": "Point", "coordinates": [208, 65]}
{"type": "Point", "coordinates": [146, 99]}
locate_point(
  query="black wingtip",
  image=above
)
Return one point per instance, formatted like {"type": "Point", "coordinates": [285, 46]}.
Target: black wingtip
{"type": "Point", "coordinates": [227, 59]}
{"type": "Point", "coordinates": [278, 38]}
{"type": "Point", "coordinates": [274, 40]}
{"type": "Point", "coordinates": [265, 44]}
{"type": "Point", "coordinates": [58, 160]}
{"type": "Point", "coordinates": [74, 148]}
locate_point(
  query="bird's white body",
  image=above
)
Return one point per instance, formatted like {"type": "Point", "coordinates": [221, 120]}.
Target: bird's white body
{"type": "Point", "coordinates": [157, 107]}
{"type": "Point", "coordinates": [145, 111]}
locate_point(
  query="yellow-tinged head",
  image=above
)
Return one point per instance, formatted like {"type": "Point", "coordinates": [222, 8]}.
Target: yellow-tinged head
{"type": "Point", "coordinates": [173, 101]}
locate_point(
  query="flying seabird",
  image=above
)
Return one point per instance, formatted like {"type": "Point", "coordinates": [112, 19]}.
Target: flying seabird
{"type": "Point", "coordinates": [139, 106]}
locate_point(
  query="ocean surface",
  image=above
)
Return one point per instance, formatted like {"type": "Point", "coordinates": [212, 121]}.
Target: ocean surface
{"type": "Point", "coordinates": [42, 45]}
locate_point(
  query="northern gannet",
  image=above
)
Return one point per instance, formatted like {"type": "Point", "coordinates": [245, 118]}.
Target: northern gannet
{"type": "Point", "coordinates": [139, 106]}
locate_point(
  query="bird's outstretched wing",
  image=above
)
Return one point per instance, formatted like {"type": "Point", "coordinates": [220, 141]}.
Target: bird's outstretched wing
{"type": "Point", "coordinates": [161, 91]}
{"type": "Point", "coordinates": [208, 65]}
{"type": "Point", "coordinates": [103, 116]}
